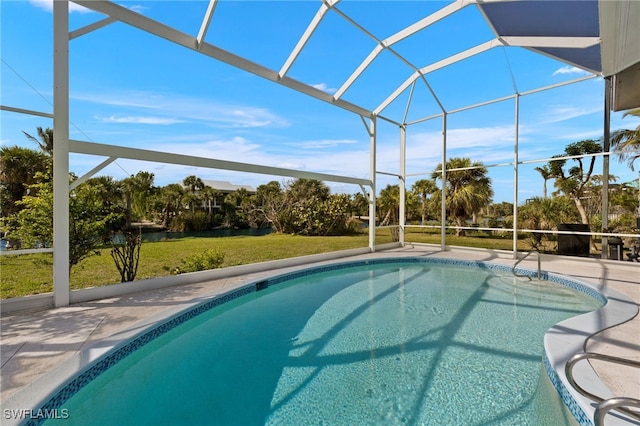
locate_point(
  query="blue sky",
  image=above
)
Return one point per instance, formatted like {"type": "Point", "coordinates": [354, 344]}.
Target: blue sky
{"type": "Point", "coordinates": [131, 89]}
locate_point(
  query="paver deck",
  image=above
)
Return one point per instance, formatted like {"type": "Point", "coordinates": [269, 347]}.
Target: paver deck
{"type": "Point", "coordinates": [35, 342]}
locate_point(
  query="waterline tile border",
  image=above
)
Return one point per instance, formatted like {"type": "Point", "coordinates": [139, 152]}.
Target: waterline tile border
{"type": "Point", "coordinates": [578, 413]}
{"type": "Point", "coordinates": [112, 357]}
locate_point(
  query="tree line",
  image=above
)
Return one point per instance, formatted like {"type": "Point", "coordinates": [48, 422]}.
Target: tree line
{"type": "Point", "coordinates": [102, 207]}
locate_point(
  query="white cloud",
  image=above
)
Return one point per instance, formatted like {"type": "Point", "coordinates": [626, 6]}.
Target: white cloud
{"type": "Point", "coordinates": [569, 70]}
{"type": "Point", "coordinates": [185, 108]}
{"type": "Point", "coordinates": [578, 136]}
{"type": "Point", "coordinates": [323, 143]}
{"type": "Point", "coordinates": [139, 120]}
{"type": "Point", "coordinates": [233, 149]}
{"type": "Point", "coordinates": [481, 136]}
{"type": "Point", "coordinates": [558, 113]}
{"type": "Point", "coordinates": [352, 163]}
{"type": "Point", "coordinates": [483, 144]}
{"type": "Point", "coordinates": [73, 7]}
{"type": "Point", "coordinates": [470, 137]}
{"type": "Point", "coordinates": [48, 6]}
{"type": "Point", "coordinates": [137, 8]}
{"type": "Point", "coordinates": [129, 98]}
{"type": "Point", "coordinates": [324, 87]}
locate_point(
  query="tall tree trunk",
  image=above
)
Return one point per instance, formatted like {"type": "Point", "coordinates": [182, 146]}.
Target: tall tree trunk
{"type": "Point", "coordinates": [167, 214]}
{"type": "Point", "coordinates": [460, 232]}
{"type": "Point", "coordinates": [129, 213]}
{"type": "Point", "coordinates": [585, 219]}
{"type": "Point", "coordinates": [386, 219]}
{"type": "Point", "coordinates": [582, 211]}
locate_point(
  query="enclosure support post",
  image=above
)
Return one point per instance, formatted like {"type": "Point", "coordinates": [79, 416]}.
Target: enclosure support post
{"type": "Point", "coordinates": [443, 200]}
{"type": "Point", "coordinates": [402, 184]}
{"type": "Point", "coordinates": [372, 194]}
{"type": "Point", "coordinates": [61, 153]}
{"type": "Point", "coordinates": [516, 150]}
{"type": "Point", "coordinates": [606, 147]}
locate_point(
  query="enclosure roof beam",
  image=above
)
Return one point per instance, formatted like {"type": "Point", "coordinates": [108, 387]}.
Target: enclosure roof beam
{"type": "Point", "coordinates": [206, 21]}
{"type": "Point", "coordinates": [311, 28]}
{"type": "Point", "coordinates": [436, 66]}
{"type": "Point", "coordinates": [91, 173]}
{"type": "Point", "coordinates": [105, 150]}
{"type": "Point", "coordinates": [450, 9]}
{"type": "Point", "coordinates": [26, 111]}
{"type": "Point", "coordinates": [505, 98]}
{"type": "Point", "coordinates": [483, 47]}
{"type": "Point", "coordinates": [141, 22]}
{"type": "Point", "coordinates": [408, 82]}
{"type": "Point", "coordinates": [91, 27]}
{"type": "Point", "coordinates": [562, 83]}
{"type": "Point", "coordinates": [399, 36]}
{"type": "Point", "coordinates": [554, 42]}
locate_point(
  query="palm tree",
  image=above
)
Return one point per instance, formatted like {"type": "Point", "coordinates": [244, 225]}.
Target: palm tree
{"type": "Point", "coordinates": [235, 203]}
{"type": "Point", "coordinates": [302, 189]}
{"type": "Point", "coordinates": [193, 185]}
{"type": "Point", "coordinates": [270, 203]}
{"type": "Point", "coordinates": [360, 205]}
{"type": "Point", "coordinates": [45, 143]}
{"type": "Point", "coordinates": [108, 190]}
{"type": "Point", "coordinates": [574, 181]}
{"type": "Point", "coordinates": [389, 204]}
{"type": "Point", "coordinates": [628, 141]}
{"type": "Point", "coordinates": [171, 196]}
{"type": "Point", "coordinates": [19, 168]}
{"type": "Point", "coordinates": [209, 195]}
{"type": "Point", "coordinates": [127, 185]}
{"type": "Point", "coordinates": [137, 189]}
{"type": "Point", "coordinates": [544, 214]}
{"type": "Point", "coordinates": [424, 188]}
{"type": "Point", "coordinates": [468, 191]}
{"type": "Point", "coordinates": [546, 173]}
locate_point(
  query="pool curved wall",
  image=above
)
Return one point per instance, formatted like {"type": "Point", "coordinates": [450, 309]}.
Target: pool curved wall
{"type": "Point", "coordinates": [553, 359]}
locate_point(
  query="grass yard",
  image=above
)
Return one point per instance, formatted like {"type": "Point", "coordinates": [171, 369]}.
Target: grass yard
{"type": "Point", "coordinates": [33, 273]}
{"type": "Point", "coordinates": [477, 239]}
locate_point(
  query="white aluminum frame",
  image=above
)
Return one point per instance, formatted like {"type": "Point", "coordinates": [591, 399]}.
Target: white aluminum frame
{"type": "Point", "coordinates": [116, 13]}
{"type": "Point", "coordinates": [61, 153]}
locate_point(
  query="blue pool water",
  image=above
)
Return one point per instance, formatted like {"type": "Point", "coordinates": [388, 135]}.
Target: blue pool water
{"type": "Point", "coordinates": [390, 343]}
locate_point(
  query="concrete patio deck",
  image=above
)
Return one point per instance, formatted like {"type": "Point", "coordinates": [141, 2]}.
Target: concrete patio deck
{"type": "Point", "coordinates": [36, 342]}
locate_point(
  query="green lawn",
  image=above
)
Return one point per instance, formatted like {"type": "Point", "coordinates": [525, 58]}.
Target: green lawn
{"type": "Point", "coordinates": [477, 239]}
{"type": "Point", "coordinates": [33, 273]}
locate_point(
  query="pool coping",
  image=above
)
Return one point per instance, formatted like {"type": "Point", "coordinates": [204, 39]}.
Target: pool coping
{"type": "Point", "coordinates": [568, 338]}
{"type": "Point", "coordinates": [560, 343]}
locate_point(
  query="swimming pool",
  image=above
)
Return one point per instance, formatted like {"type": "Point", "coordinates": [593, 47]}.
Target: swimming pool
{"type": "Point", "coordinates": [403, 341]}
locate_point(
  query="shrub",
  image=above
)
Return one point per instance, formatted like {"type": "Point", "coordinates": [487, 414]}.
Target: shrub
{"type": "Point", "coordinates": [208, 259]}
{"type": "Point", "coordinates": [198, 221]}
{"type": "Point", "coordinates": [127, 256]}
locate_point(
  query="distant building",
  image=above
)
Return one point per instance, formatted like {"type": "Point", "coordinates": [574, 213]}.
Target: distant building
{"type": "Point", "coordinates": [225, 187]}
